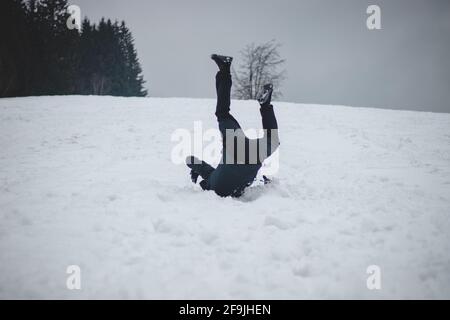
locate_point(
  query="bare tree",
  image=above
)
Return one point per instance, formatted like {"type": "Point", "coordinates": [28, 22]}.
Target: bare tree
{"type": "Point", "coordinates": [260, 65]}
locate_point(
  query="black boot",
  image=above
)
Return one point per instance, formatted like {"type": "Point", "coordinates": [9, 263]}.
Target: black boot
{"type": "Point", "coordinates": [265, 96]}
{"type": "Point", "coordinates": [223, 62]}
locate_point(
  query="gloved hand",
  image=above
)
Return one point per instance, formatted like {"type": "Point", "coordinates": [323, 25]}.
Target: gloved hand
{"type": "Point", "coordinates": [204, 185]}
{"type": "Point", "coordinates": [194, 176]}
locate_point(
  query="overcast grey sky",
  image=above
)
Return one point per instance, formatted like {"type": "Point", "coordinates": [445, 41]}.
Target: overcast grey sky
{"type": "Point", "coordinates": [332, 58]}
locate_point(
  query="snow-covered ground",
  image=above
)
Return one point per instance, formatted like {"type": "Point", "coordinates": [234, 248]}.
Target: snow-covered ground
{"type": "Point", "coordinates": [89, 181]}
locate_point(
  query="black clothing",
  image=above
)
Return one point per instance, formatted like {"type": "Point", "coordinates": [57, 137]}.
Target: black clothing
{"type": "Point", "coordinates": [237, 170]}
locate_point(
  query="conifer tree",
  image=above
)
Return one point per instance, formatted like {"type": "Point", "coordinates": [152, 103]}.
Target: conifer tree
{"type": "Point", "coordinates": [44, 57]}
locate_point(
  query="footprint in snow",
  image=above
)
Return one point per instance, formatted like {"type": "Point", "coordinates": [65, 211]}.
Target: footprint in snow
{"type": "Point", "coordinates": [302, 270]}
{"type": "Point", "coordinates": [208, 237]}
{"type": "Point", "coordinates": [276, 222]}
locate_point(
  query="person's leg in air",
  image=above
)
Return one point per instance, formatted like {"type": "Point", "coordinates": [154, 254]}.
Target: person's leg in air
{"type": "Point", "coordinates": [225, 120]}
{"type": "Point", "coordinates": [270, 142]}
{"type": "Point", "coordinates": [223, 86]}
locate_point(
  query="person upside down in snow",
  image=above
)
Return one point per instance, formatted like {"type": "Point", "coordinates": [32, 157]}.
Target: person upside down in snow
{"type": "Point", "coordinates": [241, 157]}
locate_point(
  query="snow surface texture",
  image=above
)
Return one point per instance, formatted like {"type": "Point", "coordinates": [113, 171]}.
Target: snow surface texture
{"type": "Point", "coordinates": [89, 181]}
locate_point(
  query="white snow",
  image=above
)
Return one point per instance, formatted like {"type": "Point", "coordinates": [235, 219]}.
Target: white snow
{"type": "Point", "coordinates": [89, 181]}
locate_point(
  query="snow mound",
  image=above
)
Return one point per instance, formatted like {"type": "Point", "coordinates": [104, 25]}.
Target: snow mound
{"type": "Point", "coordinates": [89, 181]}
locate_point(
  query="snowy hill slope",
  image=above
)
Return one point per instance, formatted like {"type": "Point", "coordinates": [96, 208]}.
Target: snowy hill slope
{"type": "Point", "coordinates": [89, 181]}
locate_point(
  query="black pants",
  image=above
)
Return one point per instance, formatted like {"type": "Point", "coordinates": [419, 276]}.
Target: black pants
{"type": "Point", "coordinates": [226, 121]}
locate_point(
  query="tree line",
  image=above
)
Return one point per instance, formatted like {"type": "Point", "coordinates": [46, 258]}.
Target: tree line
{"type": "Point", "coordinates": [40, 55]}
